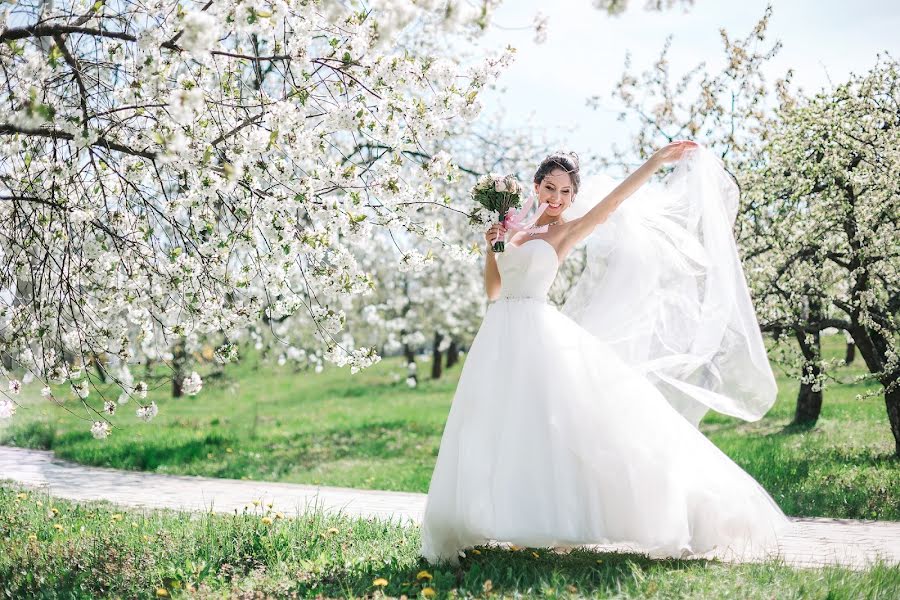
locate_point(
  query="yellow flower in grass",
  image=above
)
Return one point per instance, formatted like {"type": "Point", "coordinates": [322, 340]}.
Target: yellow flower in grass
{"type": "Point", "coordinates": [381, 582]}
{"type": "Point", "coordinates": [32, 537]}
{"type": "Point", "coordinates": [279, 515]}
{"type": "Point", "coordinates": [428, 592]}
{"type": "Point", "coordinates": [116, 517]}
{"type": "Point", "coordinates": [57, 527]}
{"type": "Point", "coordinates": [424, 575]}
{"type": "Point", "coordinates": [162, 593]}
{"type": "Point", "coordinates": [229, 450]}
{"type": "Point", "coordinates": [256, 503]}
{"type": "Point", "coordinates": [266, 520]}
{"type": "Point", "coordinates": [21, 496]}
{"type": "Point", "coordinates": [475, 551]}
{"type": "Point", "coordinates": [333, 530]}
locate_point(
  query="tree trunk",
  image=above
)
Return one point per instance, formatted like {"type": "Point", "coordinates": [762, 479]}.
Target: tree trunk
{"type": "Point", "coordinates": [409, 354]}
{"type": "Point", "coordinates": [892, 403]}
{"type": "Point", "coordinates": [809, 401]}
{"type": "Point", "coordinates": [851, 353]}
{"type": "Point", "coordinates": [452, 353]}
{"type": "Point", "coordinates": [436, 356]}
{"type": "Point", "coordinates": [100, 368]}
{"type": "Point", "coordinates": [179, 357]}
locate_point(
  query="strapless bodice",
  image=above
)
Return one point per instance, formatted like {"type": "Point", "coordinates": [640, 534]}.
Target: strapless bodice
{"type": "Point", "coordinates": [527, 271]}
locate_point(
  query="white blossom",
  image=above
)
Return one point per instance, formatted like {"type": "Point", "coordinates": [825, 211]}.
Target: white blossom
{"type": "Point", "coordinates": [100, 430]}
{"type": "Point", "coordinates": [7, 408]}
{"type": "Point", "coordinates": [146, 413]}
{"type": "Point", "coordinates": [191, 385]}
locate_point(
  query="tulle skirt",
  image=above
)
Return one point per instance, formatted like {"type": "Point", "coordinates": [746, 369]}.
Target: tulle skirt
{"type": "Point", "coordinates": [552, 440]}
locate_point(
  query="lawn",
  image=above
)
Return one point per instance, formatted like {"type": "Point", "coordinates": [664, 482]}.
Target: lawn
{"type": "Point", "coordinates": [51, 548]}
{"type": "Point", "coordinates": [370, 430]}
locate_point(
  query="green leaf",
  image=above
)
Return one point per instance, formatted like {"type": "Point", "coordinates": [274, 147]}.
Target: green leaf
{"type": "Point", "coordinates": [54, 56]}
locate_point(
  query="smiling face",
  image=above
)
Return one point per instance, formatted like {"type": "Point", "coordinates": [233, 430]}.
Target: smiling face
{"type": "Point", "coordinates": [556, 189]}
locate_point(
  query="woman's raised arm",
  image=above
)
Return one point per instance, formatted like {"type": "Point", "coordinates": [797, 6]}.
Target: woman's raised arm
{"type": "Point", "coordinates": [581, 227]}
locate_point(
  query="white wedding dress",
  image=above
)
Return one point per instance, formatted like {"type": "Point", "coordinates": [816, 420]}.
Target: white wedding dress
{"type": "Point", "coordinates": [553, 439]}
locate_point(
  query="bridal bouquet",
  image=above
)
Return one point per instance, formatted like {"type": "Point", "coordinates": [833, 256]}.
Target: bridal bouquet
{"type": "Point", "coordinates": [503, 195]}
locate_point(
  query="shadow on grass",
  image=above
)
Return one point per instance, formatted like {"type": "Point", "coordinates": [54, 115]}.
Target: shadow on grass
{"type": "Point", "coordinates": [142, 456]}
{"type": "Point", "coordinates": [506, 572]}
{"type": "Point", "coordinates": [38, 435]}
{"type": "Point", "coordinates": [384, 440]}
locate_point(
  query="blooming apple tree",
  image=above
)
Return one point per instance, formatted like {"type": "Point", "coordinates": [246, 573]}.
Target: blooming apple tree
{"type": "Point", "coordinates": [178, 169]}
{"type": "Point", "coordinates": [828, 183]}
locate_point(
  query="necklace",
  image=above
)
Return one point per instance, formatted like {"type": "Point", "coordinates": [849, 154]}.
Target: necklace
{"type": "Point", "coordinates": [548, 225]}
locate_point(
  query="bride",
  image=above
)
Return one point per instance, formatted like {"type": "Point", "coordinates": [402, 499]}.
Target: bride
{"type": "Point", "coordinates": [578, 426]}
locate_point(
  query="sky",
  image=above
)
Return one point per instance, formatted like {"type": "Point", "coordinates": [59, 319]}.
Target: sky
{"type": "Point", "coordinates": [584, 53]}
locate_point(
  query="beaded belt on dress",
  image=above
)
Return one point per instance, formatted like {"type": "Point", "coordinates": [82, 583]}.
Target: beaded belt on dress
{"type": "Point", "coordinates": [510, 297]}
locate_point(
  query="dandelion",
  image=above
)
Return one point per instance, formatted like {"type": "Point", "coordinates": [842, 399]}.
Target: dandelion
{"type": "Point", "coordinates": [21, 496]}
{"type": "Point", "coordinates": [32, 537]}
{"type": "Point", "coordinates": [279, 515]}
{"type": "Point", "coordinates": [116, 517]}
{"type": "Point", "coordinates": [57, 527]}
{"type": "Point", "coordinates": [162, 593]}
{"type": "Point", "coordinates": [428, 592]}
{"type": "Point", "coordinates": [333, 530]}
{"type": "Point", "coordinates": [381, 582]}
{"type": "Point", "coordinates": [229, 450]}
{"type": "Point", "coordinates": [423, 575]}
{"type": "Point", "coordinates": [266, 521]}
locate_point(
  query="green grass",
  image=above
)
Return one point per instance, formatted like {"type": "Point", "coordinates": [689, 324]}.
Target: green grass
{"type": "Point", "coordinates": [89, 550]}
{"type": "Point", "coordinates": [843, 467]}
{"type": "Point", "coordinates": [369, 431]}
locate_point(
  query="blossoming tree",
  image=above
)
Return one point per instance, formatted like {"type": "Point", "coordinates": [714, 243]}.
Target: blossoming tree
{"type": "Point", "coordinates": [817, 225]}
{"type": "Point", "coordinates": [174, 169]}
{"type": "Point", "coordinates": [827, 188]}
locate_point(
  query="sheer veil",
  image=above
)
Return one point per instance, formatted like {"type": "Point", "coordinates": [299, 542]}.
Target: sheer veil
{"type": "Point", "coordinates": [664, 285]}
